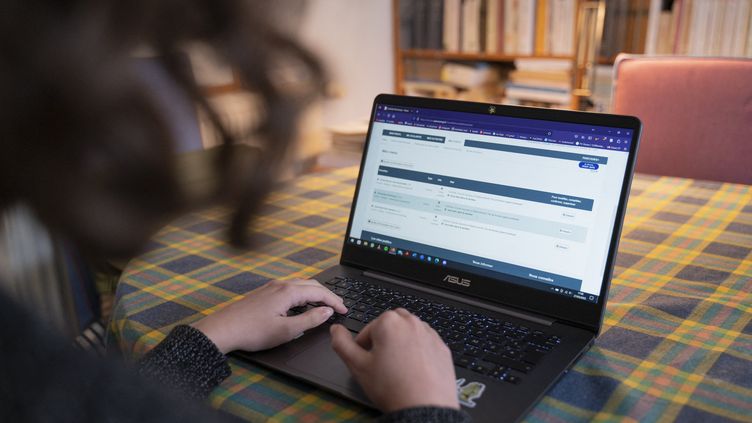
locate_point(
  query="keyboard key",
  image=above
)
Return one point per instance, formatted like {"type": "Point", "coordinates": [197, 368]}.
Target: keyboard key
{"type": "Point", "coordinates": [369, 318]}
{"type": "Point", "coordinates": [464, 361]}
{"type": "Point", "coordinates": [361, 307]}
{"type": "Point", "coordinates": [532, 357]}
{"type": "Point", "coordinates": [475, 342]}
{"type": "Point", "coordinates": [333, 281]}
{"type": "Point", "coordinates": [357, 315]}
{"type": "Point", "coordinates": [477, 368]}
{"type": "Point", "coordinates": [512, 379]}
{"type": "Point", "coordinates": [480, 343]}
{"type": "Point", "coordinates": [473, 351]}
{"type": "Point", "coordinates": [344, 284]}
{"type": "Point", "coordinates": [353, 325]}
{"type": "Point", "coordinates": [508, 362]}
{"type": "Point", "coordinates": [354, 295]}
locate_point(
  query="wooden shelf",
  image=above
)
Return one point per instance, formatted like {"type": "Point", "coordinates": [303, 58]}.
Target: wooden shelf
{"type": "Point", "coordinates": [480, 57]}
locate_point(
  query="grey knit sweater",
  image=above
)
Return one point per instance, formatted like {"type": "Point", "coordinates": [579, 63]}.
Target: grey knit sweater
{"type": "Point", "coordinates": [43, 379]}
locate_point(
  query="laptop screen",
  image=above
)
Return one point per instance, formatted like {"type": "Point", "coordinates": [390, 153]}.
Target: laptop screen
{"type": "Point", "coordinates": [524, 201]}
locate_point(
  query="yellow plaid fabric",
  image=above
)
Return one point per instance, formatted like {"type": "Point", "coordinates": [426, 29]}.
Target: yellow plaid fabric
{"type": "Point", "coordinates": [676, 342]}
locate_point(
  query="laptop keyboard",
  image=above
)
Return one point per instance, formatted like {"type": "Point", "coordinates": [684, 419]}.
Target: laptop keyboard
{"type": "Point", "coordinates": [492, 347]}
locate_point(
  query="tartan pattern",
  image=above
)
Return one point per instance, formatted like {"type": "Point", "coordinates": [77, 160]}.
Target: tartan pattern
{"type": "Point", "coordinates": [677, 337]}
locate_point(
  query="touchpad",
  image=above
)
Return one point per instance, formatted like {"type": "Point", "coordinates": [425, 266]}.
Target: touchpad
{"type": "Point", "coordinates": [324, 367]}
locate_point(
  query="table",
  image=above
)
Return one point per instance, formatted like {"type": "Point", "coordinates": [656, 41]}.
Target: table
{"type": "Point", "coordinates": [677, 336]}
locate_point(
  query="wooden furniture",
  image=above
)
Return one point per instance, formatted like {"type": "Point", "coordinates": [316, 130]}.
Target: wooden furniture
{"type": "Point", "coordinates": [587, 40]}
{"type": "Point", "coordinates": [676, 344]}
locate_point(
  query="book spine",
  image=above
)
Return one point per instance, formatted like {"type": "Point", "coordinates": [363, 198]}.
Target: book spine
{"type": "Point", "coordinates": [511, 26]}
{"type": "Point", "coordinates": [654, 25]}
{"type": "Point", "coordinates": [500, 29]}
{"type": "Point", "coordinates": [492, 26]}
{"type": "Point", "coordinates": [541, 28]}
{"type": "Point", "coordinates": [526, 39]}
{"type": "Point", "coordinates": [406, 10]}
{"type": "Point", "coordinates": [451, 33]}
{"type": "Point", "coordinates": [435, 12]}
{"type": "Point", "coordinates": [743, 18]}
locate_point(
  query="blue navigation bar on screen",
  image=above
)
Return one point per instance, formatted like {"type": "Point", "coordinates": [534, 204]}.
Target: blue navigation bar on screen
{"type": "Point", "coordinates": [555, 199]}
{"type": "Point", "coordinates": [563, 133]}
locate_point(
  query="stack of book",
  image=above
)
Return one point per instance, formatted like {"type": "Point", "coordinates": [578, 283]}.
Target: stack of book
{"type": "Point", "coordinates": [463, 81]}
{"type": "Point", "coordinates": [504, 27]}
{"type": "Point", "coordinates": [540, 82]}
{"type": "Point", "coordinates": [349, 137]}
{"type": "Point", "coordinates": [700, 28]}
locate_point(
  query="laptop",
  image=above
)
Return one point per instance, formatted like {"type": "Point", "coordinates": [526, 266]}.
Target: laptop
{"type": "Point", "coordinates": [497, 225]}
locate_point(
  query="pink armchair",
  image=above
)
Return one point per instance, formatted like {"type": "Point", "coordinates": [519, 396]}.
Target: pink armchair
{"type": "Point", "coordinates": [696, 112]}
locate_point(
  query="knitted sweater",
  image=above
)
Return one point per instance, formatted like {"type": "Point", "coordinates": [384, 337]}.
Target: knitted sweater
{"type": "Point", "coordinates": [42, 378]}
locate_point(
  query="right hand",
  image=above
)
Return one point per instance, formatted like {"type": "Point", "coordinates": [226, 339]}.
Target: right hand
{"type": "Point", "coordinates": [259, 320]}
{"type": "Point", "coordinates": [399, 361]}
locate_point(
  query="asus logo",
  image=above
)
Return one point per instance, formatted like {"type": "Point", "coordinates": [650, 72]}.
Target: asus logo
{"type": "Point", "coordinates": [457, 280]}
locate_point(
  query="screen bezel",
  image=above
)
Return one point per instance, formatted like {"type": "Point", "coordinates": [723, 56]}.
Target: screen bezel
{"type": "Point", "coordinates": [578, 312]}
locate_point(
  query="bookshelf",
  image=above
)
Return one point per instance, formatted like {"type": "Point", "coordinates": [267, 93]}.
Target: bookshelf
{"type": "Point", "coordinates": [487, 57]}
{"type": "Point", "coordinates": [437, 55]}
{"type": "Point", "coordinates": [600, 31]}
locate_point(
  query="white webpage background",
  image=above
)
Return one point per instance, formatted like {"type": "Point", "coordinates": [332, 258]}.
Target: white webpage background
{"type": "Point", "coordinates": [556, 254]}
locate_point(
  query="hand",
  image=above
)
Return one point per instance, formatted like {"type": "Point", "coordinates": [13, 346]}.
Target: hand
{"type": "Point", "coordinates": [399, 361]}
{"type": "Point", "coordinates": [259, 320]}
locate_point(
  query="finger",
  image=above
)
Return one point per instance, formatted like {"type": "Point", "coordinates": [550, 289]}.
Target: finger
{"type": "Point", "coordinates": [352, 354]}
{"type": "Point", "coordinates": [303, 294]}
{"type": "Point", "coordinates": [311, 282]}
{"type": "Point", "coordinates": [363, 338]}
{"type": "Point", "coordinates": [310, 319]}
{"type": "Point", "coordinates": [402, 312]}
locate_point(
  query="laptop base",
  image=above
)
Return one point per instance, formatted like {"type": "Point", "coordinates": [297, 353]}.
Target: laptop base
{"type": "Point", "coordinates": [310, 358]}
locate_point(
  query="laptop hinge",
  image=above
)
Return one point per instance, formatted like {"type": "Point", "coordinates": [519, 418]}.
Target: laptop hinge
{"type": "Point", "coordinates": [458, 297]}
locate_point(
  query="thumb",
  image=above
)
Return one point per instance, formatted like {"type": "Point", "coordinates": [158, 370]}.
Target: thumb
{"type": "Point", "coordinates": [346, 348]}
{"type": "Point", "coordinates": [310, 319]}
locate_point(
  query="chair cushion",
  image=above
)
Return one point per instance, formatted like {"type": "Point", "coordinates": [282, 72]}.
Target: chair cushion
{"type": "Point", "coordinates": [696, 112]}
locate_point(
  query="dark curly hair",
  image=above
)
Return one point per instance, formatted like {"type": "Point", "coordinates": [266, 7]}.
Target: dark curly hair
{"type": "Point", "coordinates": [84, 142]}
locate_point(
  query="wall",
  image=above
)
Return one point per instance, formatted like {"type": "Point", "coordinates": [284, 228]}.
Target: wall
{"type": "Point", "coordinates": [354, 38]}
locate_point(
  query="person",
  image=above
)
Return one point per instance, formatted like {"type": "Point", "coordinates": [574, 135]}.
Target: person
{"type": "Point", "coordinates": [89, 150]}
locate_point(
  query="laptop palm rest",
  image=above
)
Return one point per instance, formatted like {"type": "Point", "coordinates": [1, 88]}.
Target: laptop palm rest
{"type": "Point", "coordinates": [321, 365]}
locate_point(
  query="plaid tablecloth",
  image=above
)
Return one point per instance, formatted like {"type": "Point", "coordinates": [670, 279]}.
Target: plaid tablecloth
{"type": "Point", "coordinates": [677, 338]}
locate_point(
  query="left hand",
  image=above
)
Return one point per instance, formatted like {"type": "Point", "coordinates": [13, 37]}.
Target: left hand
{"type": "Point", "coordinates": [259, 320]}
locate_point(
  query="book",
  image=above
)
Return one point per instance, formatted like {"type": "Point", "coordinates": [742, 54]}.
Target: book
{"type": "Point", "coordinates": [451, 25]}
{"type": "Point", "coordinates": [406, 12]}
{"type": "Point", "coordinates": [492, 26]}
{"type": "Point", "coordinates": [470, 26]}
{"type": "Point", "coordinates": [350, 136]}
{"type": "Point", "coordinates": [434, 20]}
{"type": "Point", "coordinates": [542, 28]}
{"type": "Point", "coordinates": [511, 26]}
{"type": "Point", "coordinates": [536, 93]}
{"type": "Point", "coordinates": [429, 89]}
{"type": "Point", "coordinates": [654, 26]}
{"type": "Point", "coordinates": [526, 37]}
{"type": "Point", "coordinates": [544, 81]}
{"type": "Point", "coordinates": [468, 76]}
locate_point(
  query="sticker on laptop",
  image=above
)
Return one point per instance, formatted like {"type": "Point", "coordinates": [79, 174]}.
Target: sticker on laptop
{"type": "Point", "coordinates": [469, 392]}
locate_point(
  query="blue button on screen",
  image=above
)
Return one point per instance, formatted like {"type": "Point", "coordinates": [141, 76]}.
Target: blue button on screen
{"type": "Point", "coordinates": [588, 165]}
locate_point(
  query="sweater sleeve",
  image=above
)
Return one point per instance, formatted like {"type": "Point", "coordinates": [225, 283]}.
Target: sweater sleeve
{"type": "Point", "coordinates": [187, 361]}
{"type": "Point", "coordinates": [42, 378]}
{"type": "Point", "coordinates": [426, 414]}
